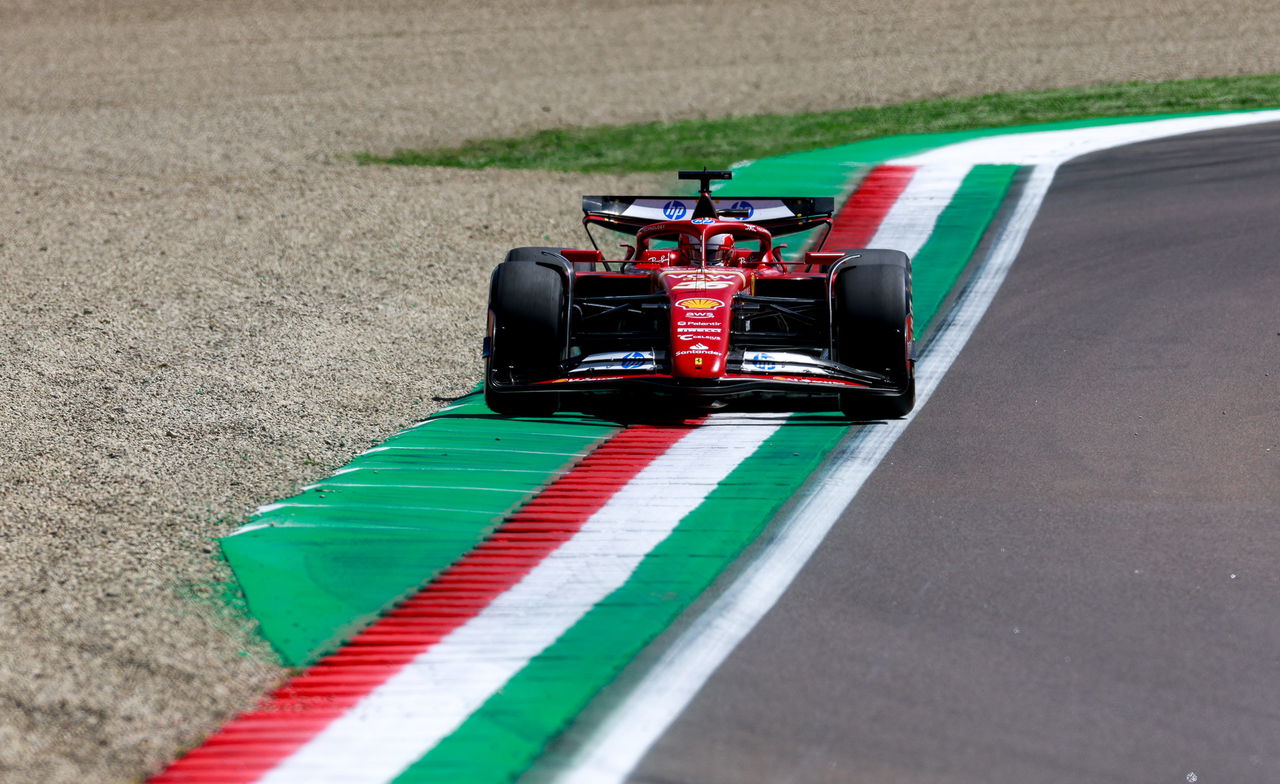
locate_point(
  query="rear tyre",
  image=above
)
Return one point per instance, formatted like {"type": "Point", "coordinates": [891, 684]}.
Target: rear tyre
{"type": "Point", "coordinates": [547, 254]}
{"type": "Point", "coordinates": [533, 254]}
{"type": "Point", "coordinates": [527, 306]}
{"type": "Point", "coordinates": [871, 323]}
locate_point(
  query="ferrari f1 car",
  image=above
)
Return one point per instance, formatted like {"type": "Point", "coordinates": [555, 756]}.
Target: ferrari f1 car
{"type": "Point", "coordinates": [702, 311]}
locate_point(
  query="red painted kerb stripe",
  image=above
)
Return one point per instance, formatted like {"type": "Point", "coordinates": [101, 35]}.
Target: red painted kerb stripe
{"type": "Point", "coordinates": [864, 211]}
{"type": "Point", "coordinates": [250, 745]}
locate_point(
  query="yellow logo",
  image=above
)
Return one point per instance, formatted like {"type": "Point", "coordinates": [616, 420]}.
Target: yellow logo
{"type": "Point", "coordinates": [699, 303]}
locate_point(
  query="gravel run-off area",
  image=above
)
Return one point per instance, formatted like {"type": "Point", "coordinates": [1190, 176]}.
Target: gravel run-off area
{"type": "Point", "coordinates": [204, 304]}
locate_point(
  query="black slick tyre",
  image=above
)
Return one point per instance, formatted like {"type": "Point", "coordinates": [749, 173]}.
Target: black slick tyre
{"type": "Point", "coordinates": [533, 254]}
{"type": "Point", "coordinates": [527, 307]}
{"type": "Point", "coordinates": [871, 329]}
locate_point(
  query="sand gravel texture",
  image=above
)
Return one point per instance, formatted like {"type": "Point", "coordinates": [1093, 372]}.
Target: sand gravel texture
{"type": "Point", "coordinates": [203, 305]}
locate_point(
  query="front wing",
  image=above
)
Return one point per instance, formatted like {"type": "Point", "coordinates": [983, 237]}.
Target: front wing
{"type": "Point", "coordinates": [739, 383]}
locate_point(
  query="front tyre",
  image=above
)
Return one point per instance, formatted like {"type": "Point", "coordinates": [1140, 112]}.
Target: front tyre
{"type": "Point", "coordinates": [871, 323]}
{"type": "Point", "coordinates": [528, 314]}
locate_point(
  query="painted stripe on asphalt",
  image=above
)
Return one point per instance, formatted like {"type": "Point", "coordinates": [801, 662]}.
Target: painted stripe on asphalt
{"type": "Point", "coordinates": [863, 212]}
{"type": "Point", "coordinates": [957, 230]}
{"type": "Point", "coordinates": [375, 450]}
{"type": "Point", "coordinates": [411, 487]}
{"type": "Point", "coordinates": [908, 225]}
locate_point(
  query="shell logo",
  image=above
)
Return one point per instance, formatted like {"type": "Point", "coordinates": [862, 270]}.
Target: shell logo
{"type": "Point", "coordinates": [699, 303]}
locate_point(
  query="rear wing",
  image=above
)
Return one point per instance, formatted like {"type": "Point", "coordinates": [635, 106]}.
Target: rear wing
{"type": "Point", "coordinates": [778, 214]}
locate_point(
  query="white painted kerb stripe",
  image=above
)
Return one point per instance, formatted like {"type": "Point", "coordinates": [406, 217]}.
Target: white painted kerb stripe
{"type": "Point", "coordinates": [1055, 147]}
{"type": "Point", "coordinates": [910, 221]}
{"type": "Point", "coordinates": [402, 719]}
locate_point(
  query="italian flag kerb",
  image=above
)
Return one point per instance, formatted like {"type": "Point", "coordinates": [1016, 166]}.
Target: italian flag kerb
{"type": "Point", "coordinates": [470, 677]}
{"type": "Point", "coordinates": [430, 690]}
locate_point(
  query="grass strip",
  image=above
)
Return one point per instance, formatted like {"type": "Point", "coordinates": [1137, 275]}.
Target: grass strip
{"type": "Point", "coordinates": [719, 143]}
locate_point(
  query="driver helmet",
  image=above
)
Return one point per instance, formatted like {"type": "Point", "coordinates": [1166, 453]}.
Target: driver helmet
{"type": "Point", "coordinates": [719, 249]}
{"type": "Point", "coordinates": [690, 249]}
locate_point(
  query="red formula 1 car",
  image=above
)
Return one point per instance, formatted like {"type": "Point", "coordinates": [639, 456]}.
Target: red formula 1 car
{"type": "Point", "coordinates": [702, 311]}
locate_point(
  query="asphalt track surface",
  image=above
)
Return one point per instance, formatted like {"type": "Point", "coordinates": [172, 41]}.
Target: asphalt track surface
{"type": "Point", "coordinates": [1065, 570]}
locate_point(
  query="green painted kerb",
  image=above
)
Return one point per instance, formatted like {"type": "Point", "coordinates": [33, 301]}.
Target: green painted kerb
{"type": "Point", "coordinates": [944, 256]}
{"type": "Point", "coordinates": [321, 565]}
